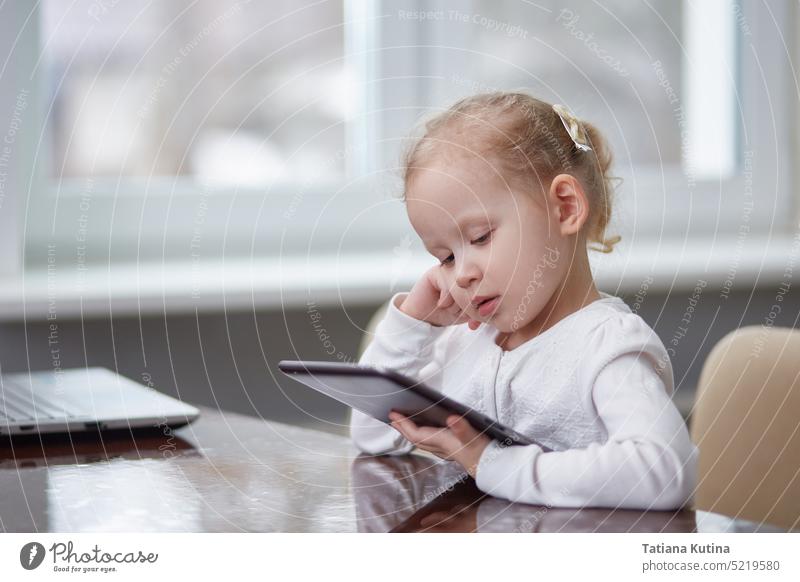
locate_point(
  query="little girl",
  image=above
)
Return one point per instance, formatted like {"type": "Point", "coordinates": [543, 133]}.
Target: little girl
{"type": "Point", "coordinates": [507, 192]}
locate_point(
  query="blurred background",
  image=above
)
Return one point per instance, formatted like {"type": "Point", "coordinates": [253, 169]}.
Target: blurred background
{"type": "Point", "coordinates": [192, 191]}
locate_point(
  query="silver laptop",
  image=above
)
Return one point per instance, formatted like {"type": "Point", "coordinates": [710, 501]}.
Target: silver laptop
{"type": "Point", "coordinates": [88, 399]}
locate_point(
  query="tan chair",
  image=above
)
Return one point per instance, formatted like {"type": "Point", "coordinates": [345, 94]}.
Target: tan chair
{"type": "Point", "coordinates": [746, 423]}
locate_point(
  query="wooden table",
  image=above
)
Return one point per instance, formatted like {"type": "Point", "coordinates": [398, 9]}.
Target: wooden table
{"type": "Point", "coordinates": [229, 472]}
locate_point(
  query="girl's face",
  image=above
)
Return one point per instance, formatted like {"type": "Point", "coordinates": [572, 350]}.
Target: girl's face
{"type": "Point", "coordinates": [493, 240]}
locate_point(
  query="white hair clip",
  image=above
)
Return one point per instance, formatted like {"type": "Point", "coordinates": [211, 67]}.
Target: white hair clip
{"type": "Point", "coordinates": [573, 127]}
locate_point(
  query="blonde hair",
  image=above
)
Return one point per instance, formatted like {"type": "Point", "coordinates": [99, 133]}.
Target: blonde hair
{"type": "Point", "coordinates": [529, 139]}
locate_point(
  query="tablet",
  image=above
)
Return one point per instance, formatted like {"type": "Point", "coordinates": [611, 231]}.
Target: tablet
{"type": "Point", "coordinates": [377, 391]}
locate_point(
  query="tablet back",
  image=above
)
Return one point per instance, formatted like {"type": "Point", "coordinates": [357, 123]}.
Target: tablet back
{"type": "Point", "coordinates": [377, 392]}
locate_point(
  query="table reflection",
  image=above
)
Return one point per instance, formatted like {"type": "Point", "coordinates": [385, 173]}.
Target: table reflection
{"type": "Point", "coordinates": [389, 490]}
{"type": "Point", "coordinates": [416, 494]}
{"type": "Point", "coordinates": [223, 473]}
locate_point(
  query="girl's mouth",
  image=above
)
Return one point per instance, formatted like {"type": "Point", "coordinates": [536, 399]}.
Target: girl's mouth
{"type": "Point", "coordinates": [488, 306]}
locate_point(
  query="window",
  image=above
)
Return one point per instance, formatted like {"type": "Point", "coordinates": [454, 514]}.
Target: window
{"type": "Point", "coordinates": [164, 130]}
{"type": "Point", "coordinates": [597, 58]}
{"type": "Point", "coordinates": [231, 94]}
{"type": "Point", "coordinates": [178, 130]}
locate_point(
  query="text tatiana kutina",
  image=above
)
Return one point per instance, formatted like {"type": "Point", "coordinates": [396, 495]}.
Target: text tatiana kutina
{"type": "Point", "coordinates": [684, 549]}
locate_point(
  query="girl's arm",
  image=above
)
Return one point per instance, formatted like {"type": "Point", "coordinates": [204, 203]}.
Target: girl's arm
{"type": "Point", "coordinates": [406, 345]}
{"type": "Point", "coordinates": [648, 461]}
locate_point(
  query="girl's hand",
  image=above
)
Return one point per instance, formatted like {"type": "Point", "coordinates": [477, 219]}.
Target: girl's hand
{"type": "Point", "coordinates": [458, 442]}
{"type": "Point", "coordinates": [430, 301]}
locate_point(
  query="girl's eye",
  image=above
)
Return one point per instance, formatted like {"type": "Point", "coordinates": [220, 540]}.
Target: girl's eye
{"type": "Point", "coordinates": [482, 239]}
{"type": "Point", "coordinates": [478, 241]}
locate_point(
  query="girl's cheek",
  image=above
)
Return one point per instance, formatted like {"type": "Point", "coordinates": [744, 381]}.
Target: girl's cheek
{"type": "Point", "coordinates": [461, 299]}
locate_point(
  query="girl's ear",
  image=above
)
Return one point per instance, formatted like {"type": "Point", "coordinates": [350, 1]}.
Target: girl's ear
{"type": "Point", "coordinates": [571, 204]}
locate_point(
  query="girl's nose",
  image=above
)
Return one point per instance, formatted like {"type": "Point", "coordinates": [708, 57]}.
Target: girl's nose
{"type": "Point", "coordinates": [467, 275]}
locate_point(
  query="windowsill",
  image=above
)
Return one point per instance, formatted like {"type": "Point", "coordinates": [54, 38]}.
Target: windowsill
{"type": "Point", "coordinates": [290, 282]}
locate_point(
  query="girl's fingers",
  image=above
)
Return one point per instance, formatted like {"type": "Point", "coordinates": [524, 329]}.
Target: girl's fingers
{"type": "Point", "coordinates": [396, 426]}
{"type": "Point", "coordinates": [461, 428]}
{"type": "Point", "coordinates": [408, 427]}
{"type": "Point", "coordinates": [445, 300]}
{"type": "Point", "coordinates": [402, 423]}
{"type": "Point", "coordinates": [426, 437]}
{"type": "Point", "coordinates": [438, 451]}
